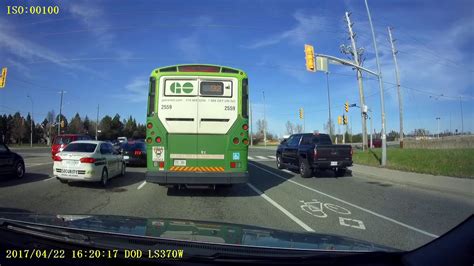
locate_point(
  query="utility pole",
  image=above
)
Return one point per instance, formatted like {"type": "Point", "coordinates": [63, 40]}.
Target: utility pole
{"type": "Point", "coordinates": [438, 118]}
{"type": "Point", "coordinates": [382, 105]}
{"type": "Point", "coordinates": [264, 122]}
{"type": "Point", "coordinates": [400, 106]}
{"type": "Point", "coordinates": [60, 112]}
{"type": "Point", "coordinates": [31, 121]}
{"type": "Point", "coordinates": [329, 104]}
{"type": "Point", "coordinates": [462, 117]}
{"type": "Point", "coordinates": [97, 123]}
{"type": "Point", "coordinates": [355, 54]}
{"type": "Point", "coordinates": [251, 125]}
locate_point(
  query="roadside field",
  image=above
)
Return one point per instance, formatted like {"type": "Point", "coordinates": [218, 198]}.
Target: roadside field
{"type": "Point", "coordinates": [447, 162]}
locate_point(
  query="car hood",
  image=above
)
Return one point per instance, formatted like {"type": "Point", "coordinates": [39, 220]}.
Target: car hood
{"type": "Point", "coordinates": [200, 231]}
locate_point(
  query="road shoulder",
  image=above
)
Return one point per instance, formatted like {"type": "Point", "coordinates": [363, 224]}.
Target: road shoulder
{"type": "Point", "coordinates": [463, 186]}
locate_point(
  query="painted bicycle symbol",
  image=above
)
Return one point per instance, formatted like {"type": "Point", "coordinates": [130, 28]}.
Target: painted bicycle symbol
{"type": "Point", "coordinates": [316, 208]}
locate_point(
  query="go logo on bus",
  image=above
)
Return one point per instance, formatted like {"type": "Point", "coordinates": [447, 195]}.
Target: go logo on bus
{"type": "Point", "coordinates": [178, 89]}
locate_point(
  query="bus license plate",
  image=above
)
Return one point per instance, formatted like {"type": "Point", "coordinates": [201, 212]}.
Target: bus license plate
{"type": "Point", "coordinates": [333, 163]}
{"type": "Point", "coordinates": [180, 162]}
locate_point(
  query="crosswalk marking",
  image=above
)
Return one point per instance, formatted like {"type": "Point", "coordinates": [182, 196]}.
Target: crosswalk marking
{"type": "Point", "coordinates": [250, 158]}
{"type": "Point", "coordinates": [262, 157]}
{"type": "Point", "coordinates": [271, 156]}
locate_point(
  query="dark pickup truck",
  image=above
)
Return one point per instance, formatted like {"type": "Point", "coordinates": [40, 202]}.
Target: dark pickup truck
{"type": "Point", "coordinates": [312, 152]}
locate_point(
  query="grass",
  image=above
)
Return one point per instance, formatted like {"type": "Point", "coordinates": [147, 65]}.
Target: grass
{"type": "Point", "coordinates": [447, 162]}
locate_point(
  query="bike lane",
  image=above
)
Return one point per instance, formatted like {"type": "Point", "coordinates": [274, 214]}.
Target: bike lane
{"type": "Point", "coordinates": [327, 214]}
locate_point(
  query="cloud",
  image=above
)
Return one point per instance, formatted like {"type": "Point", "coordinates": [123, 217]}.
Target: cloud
{"type": "Point", "coordinates": [136, 90]}
{"type": "Point", "coordinates": [189, 45]}
{"type": "Point", "coordinates": [31, 51]}
{"type": "Point", "coordinates": [306, 26]}
{"type": "Point", "coordinates": [92, 16]}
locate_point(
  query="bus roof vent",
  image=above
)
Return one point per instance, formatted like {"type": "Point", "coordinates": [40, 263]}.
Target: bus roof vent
{"type": "Point", "coordinates": [229, 70]}
{"type": "Point", "coordinates": [168, 69]}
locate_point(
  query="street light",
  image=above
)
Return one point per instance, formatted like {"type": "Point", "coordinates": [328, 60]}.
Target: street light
{"type": "Point", "coordinates": [438, 118]}
{"type": "Point", "coordinates": [31, 121]}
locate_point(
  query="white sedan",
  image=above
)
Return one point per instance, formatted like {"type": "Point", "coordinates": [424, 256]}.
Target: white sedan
{"type": "Point", "coordinates": [88, 160]}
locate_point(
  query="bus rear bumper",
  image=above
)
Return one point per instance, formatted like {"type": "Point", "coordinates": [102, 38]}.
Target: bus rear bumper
{"type": "Point", "coordinates": [188, 178]}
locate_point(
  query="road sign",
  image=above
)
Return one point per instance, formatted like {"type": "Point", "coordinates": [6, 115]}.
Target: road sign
{"type": "Point", "coordinates": [321, 64]}
{"type": "Point", "coordinates": [3, 78]}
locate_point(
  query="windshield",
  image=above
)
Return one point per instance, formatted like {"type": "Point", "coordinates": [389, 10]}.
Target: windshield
{"type": "Point", "coordinates": [80, 147]}
{"type": "Point", "coordinates": [297, 116]}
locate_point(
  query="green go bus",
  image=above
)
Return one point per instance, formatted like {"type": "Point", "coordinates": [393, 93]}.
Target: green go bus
{"type": "Point", "coordinates": [197, 126]}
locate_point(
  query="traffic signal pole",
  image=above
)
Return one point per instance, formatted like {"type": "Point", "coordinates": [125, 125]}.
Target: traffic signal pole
{"type": "Point", "coordinates": [329, 104]}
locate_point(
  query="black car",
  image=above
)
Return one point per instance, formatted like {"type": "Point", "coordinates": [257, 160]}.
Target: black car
{"type": "Point", "coordinates": [10, 162]}
{"type": "Point", "coordinates": [134, 153]}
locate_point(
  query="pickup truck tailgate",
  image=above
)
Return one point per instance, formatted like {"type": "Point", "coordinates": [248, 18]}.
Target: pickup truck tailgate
{"type": "Point", "coordinates": [333, 152]}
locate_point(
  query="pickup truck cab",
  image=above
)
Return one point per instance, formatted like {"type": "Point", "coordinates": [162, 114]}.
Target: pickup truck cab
{"type": "Point", "coordinates": [312, 152]}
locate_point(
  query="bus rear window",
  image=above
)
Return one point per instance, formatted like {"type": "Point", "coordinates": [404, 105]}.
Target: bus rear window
{"type": "Point", "coordinates": [212, 88]}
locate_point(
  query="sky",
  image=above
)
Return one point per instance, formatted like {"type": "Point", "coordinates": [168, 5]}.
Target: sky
{"type": "Point", "coordinates": [102, 53]}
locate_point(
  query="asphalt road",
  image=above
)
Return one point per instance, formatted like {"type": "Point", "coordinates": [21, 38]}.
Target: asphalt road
{"type": "Point", "coordinates": [394, 215]}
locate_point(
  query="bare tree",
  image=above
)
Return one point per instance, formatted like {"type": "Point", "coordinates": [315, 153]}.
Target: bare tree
{"type": "Point", "coordinates": [298, 128]}
{"type": "Point", "coordinates": [290, 128]}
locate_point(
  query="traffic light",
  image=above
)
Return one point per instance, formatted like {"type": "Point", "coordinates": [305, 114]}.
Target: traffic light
{"type": "Point", "coordinates": [62, 123]}
{"type": "Point", "coordinates": [346, 107]}
{"type": "Point", "coordinates": [301, 113]}
{"type": "Point", "coordinates": [346, 120]}
{"type": "Point", "coordinates": [339, 120]}
{"type": "Point", "coordinates": [309, 55]}
{"type": "Point", "coordinates": [3, 77]}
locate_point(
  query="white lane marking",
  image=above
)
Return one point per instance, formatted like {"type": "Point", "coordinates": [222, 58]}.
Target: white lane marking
{"type": "Point", "coordinates": [352, 205]}
{"type": "Point", "coordinates": [262, 157]}
{"type": "Point", "coordinates": [279, 207]}
{"type": "Point", "coordinates": [359, 224]}
{"type": "Point", "coordinates": [142, 185]}
{"type": "Point", "coordinates": [51, 178]}
{"type": "Point", "coordinates": [37, 164]}
{"type": "Point", "coordinates": [250, 158]}
{"type": "Point", "coordinates": [272, 157]}
{"type": "Point", "coordinates": [287, 171]}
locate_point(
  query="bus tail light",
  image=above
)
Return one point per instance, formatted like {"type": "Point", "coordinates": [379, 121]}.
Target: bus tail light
{"type": "Point", "coordinates": [232, 164]}
{"type": "Point", "coordinates": [245, 141]}
{"type": "Point", "coordinates": [57, 158]}
{"type": "Point", "coordinates": [148, 140]}
{"type": "Point", "coordinates": [235, 140]}
{"type": "Point", "coordinates": [199, 68]}
{"type": "Point", "coordinates": [149, 125]}
{"type": "Point", "coordinates": [162, 164]}
{"type": "Point", "coordinates": [245, 127]}
{"type": "Point", "coordinates": [158, 140]}
{"type": "Point", "coordinates": [87, 160]}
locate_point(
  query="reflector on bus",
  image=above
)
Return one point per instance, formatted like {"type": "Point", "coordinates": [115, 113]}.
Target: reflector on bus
{"type": "Point", "coordinates": [199, 68]}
